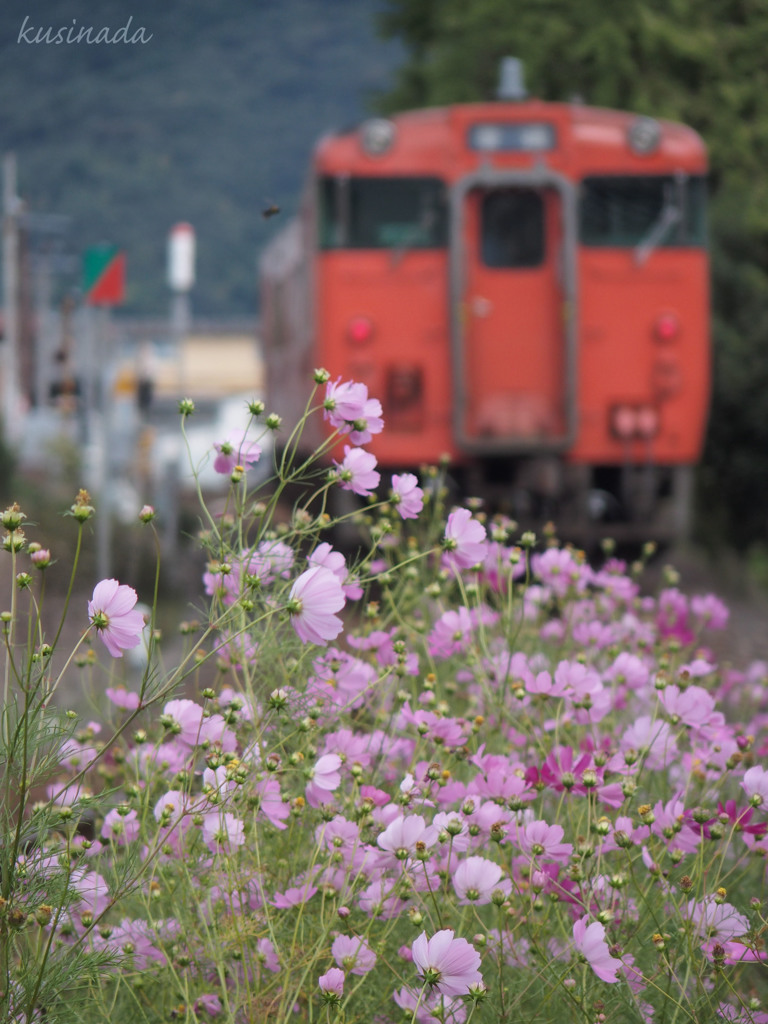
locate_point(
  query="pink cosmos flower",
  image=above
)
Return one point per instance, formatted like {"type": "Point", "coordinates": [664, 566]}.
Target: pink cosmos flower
{"type": "Point", "coordinates": [558, 569]}
{"type": "Point", "coordinates": [123, 698]}
{"type": "Point", "coordinates": [647, 733]}
{"type": "Point", "coordinates": [223, 832]}
{"type": "Point", "coordinates": [350, 410]}
{"type": "Point", "coordinates": [465, 542]}
{"type": "Point", "coordinates": [236, 450]}
{"type": "Point", "coordinates": [400, 838]}
{"type": "Point", "coordinates": [184, 720]}
{"type": "Point", "coordinates": [589, 941]}
{"type": "Point", "coordinates": [267, 956]}
{"type": "Point", "coordinates": [407, 496]}
{"type": "Point", "coordinates": [673, 824]}
{"type": "Point", "coordinates": [332, 984]}
{"type": "Point", "coordinates": [338, 834]}
{"type": "Point", "coordinates": [672, 617]}
{"type": "Point", "coordinates": [427, 1009]}
{"type": "Point", "coordinates": [344, 402]}
{"type": "Point", "coordinates": [112, 613]}
{"type": "Point", "coordinates": [714, 921]}
{"type": "Point", "coordinates": [209, 1002]}
{"type": "Point", "coordinates": [447, 964]}
{"type": "Point", "coordinates": [270, 559]}
{"type": "Point", "coordinates": [710, 611]}
{"type": "Point", "coordinates": [325, 555]}
{"type": "Point", "coordinates": [576, 680]}
{"type": "Point", "coordinates": [314, 599]}
{"type": "Point", "coordinates": [92, 892]}
{"type": "Point", "coordinates": [451, 633]}
{"type": "Point", "coordinates": [357, 473]}
{"type": "Point", "coordinates": [41, 558]}
{"type": "Point", "coordinates": [693, 706]}
{"type": "Point", "coordinates": [294, 896]}
{"type": "Point", "coordinates": [352, 953]}
{"type": "Point", "coordinates": [476, 879]}
{"type": "Point", "coordinates": [368, 424]}
{"type": "Point", "coordinates": [171, 806]}
{"type": "Point", "coordinates": [121, 829]}
{"type": "Point", "coordinates": [271, 804]}
{"type": "Point", "coordinates": [755, 785]}
{"type": "Point", "coordinates": [340, 680]}
{"type": "Point", "coordinates": [538, 839]}
{"type": "Point", "coordinates": [737, 1015]}
{"type": "Point", "coordinates": [325, 778]}
{"type": "Point", "coordinates": [140, 938]}
{"type": "Point", "coordinates": [629, 670]}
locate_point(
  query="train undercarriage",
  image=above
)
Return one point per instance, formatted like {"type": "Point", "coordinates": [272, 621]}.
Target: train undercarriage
{"type": "Point", "coordinates": [630, 503]}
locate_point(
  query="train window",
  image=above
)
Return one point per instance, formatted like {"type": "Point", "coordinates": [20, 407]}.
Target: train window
{"type": "Point", "coordinates": [383, 213]}
{"type": "Point", "coordinates": [635, 211]}
{"type": "Point", "coordinates": [512, 228]}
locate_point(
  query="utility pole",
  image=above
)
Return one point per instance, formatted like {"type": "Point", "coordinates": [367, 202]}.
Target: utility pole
{"type": "Point", "coordinates": [181, 278]}
{"type": "Point", "coordinates": [11, 411]}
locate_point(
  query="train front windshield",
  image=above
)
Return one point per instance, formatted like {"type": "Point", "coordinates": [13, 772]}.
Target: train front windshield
{"type": "Point", "coordinates": [383, 213]}
{"type": "Point", "coordinates": [624, 212]}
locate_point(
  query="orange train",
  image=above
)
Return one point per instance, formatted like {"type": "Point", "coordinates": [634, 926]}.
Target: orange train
{"type": "Point", "coordinates": [525, 287]}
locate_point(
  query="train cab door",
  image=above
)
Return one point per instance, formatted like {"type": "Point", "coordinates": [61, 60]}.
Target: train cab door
{"type": "Point", "coordinates": [513, 281]}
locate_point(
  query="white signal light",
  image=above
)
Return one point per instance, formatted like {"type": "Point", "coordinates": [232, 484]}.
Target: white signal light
{"type": "Point", "coordinates": [181, 257]}
{"type": "Point", "coordinates": [377, 136]}
{"type": "Point", "coordinates": [644, 135]}
{"type": "Point", "coordinates": [624, 422]}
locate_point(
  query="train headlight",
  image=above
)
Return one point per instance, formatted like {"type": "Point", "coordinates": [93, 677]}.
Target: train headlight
{"type": "Point", "coordinates": [377, 136]}
{"type": "Point", "coordinates": [624, 422]}
{"type": "Point", "coordinates": [647, 422]}
{"type": "Point", "coordinates": [644, 135]}
{"type": "Point", "coordinates": [634, 422]}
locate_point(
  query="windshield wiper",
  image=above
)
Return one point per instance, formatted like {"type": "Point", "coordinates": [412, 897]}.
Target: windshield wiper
{"type": "Point", "coordinates": [671, 214]}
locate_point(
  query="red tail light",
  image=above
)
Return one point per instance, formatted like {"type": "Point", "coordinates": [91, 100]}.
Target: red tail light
{"type": "Point", "coordinates": [667, 327]}
{"type": "Point", "coordinates": [359, 329]}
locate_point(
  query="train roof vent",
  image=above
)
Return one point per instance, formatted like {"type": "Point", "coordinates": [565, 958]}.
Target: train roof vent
{"type": "Point", "coordinates": [511, 84]}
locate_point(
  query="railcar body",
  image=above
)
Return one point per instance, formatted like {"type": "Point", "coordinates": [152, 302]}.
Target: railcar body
{"type": "Point", "coordinates": [525, 287]}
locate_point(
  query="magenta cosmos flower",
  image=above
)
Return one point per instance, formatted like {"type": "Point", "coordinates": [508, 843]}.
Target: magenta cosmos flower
{"type": "Point", "coordinates": [113, 616]}
{"type": "Point", "coordinates": [447, 964]}
{"type": "Point", "coordinates": [315, 598]}
{"type": "Point", "coordinates": [589, 941]}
